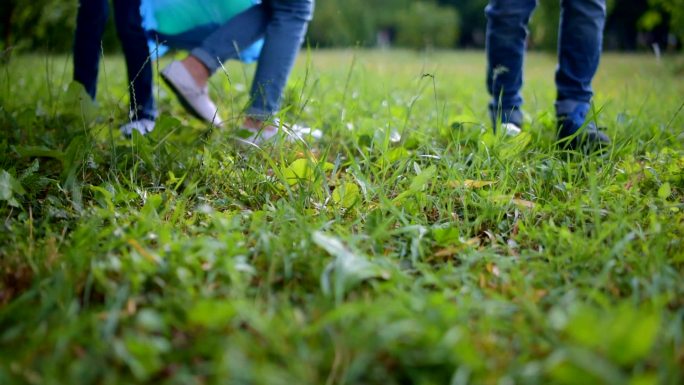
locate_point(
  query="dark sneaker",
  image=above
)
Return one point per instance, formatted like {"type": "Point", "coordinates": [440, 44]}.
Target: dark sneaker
{"type": "Point", "coordinates": [575, 133]}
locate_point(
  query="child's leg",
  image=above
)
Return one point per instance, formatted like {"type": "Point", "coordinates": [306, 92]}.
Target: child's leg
{"type": "Point", "coordinates": [90, 25]}
{"type": "Point", "coordinates": [188, 78]}
{"type": "Point", "coordinates": [506, 33]}
{"type": "Point", "coordinates": [288, 20]}
{"type": "Point", "coordinates": [231, 38]}
{"type": "Point", "coordinates": [581, 36]}
{"type": "Point", "coordinates": [282, 23]}
{"type": "Point", "coordinates": [138, 62]}
{"type": "Point", "coordinates": [579, 51]}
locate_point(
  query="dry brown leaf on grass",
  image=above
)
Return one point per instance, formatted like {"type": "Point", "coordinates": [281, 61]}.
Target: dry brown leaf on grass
{"type": "Point", "coordinates": [453, 250]}
{"type": "Point", "coordinates": [523, 203]}
{"type": "Point", "coordinates": [516, 201]}
{"type": "Point", "coordinates": [471, 183]}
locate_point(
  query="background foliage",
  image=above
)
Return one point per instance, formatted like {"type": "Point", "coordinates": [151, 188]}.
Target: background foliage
{"type": "Point", "coordinates": [663, 10]}
{"type": "Point", "coordinates": [49, 24]}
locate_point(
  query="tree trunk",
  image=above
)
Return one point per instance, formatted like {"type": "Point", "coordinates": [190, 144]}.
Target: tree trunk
{"type": "Point", "coordinates": [7, 13]}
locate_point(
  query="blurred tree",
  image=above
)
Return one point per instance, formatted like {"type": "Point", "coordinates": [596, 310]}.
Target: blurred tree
{"type": "Point", "coordinates": [358, 22]}
{"type": "Point", "coordinates": [44, 25]}
{"type": "Point", "coordinates": [660, 12]}
{"type": "Point", "coordinates": [342, 24]}
{"type": "Point", "coordinates": [472, 21]}
{"type": "Point", "coordinates": [426, 25]}
{"type": "Point", "coordinates": [544, 25]}
{"type": "Point", "coordinates": [622, 25]}
{"type": "Point", "coordinates": [39, 24]}
{"type": "Point", "coordinates": [29, 25]}
{"type": "Point", "coordinates": [7, 11]}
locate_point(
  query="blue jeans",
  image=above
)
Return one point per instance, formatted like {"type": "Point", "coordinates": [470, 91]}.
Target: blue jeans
{"type": "Point", "coordinates": [579, 51]}
{"type": "Point", "coordinates": [90, 25]}
{"type": "Point", "coordinates": [281, 23]}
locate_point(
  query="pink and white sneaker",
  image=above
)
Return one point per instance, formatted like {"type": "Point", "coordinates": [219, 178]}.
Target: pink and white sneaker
{"type": "Point", "coordinates": [266, 132]}
{"type": "Point", "coordinates": [195, 99]}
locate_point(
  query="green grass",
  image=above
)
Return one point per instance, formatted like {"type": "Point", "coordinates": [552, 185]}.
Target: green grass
{"type": "Point", "coordinates": [409, 246]}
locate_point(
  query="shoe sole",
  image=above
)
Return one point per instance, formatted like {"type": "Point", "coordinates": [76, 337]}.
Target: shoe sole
{"type": "Point", "coordinates": [183, 101]}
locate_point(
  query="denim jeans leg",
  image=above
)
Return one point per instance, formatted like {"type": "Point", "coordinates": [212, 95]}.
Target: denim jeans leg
{"type": "Point", "coordinates": [285, 32]}
{"type": "Point", "coordinates": [90, 25]}
{"type": "Point", "coordinates": [507, 31]}
{"type": "Point", "coordinates": [579, 52]}
{"type": "Point", "coordinates": [138, 62]}
{"type": "Point", "coordinates": [226, 41]}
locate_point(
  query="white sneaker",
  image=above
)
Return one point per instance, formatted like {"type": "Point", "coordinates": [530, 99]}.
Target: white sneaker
{"type": "Point", "coordinates": [510, 129]}
{"type": "Point", "coordinates": [267, 132]}
{"type": "Point", "coordinates": [143, 126]}
{"type": "Point", "coordinates": [194, 98]}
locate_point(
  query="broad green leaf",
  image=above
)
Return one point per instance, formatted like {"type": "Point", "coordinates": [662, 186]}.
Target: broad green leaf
{"type": "Point", "coordinates": [39, 151]}
{"type": "Point", "coordinates": [103, 196]}
{"type": "Point", "coordinates": [77, 101]}
{"type": "Point", "coordinates": [463, 118]}
{"type": "Point", "coordinates": [144, 354]}
{"type": "Point", "coordinates": [418, 183]}
{"type": "Point", "coordinates": [346, 195]}
{"type": "Point", "coordinates": [446, 235]}
{"type": "Point", "coordinates": [664, 191]}
{"type": "Point", "coordinates": [303, 170]}
{"type": "Point", "coordinates": [625, 333]}
{"type": "Point", "coordinates": [422, 179]}
{"type": "Point", "coordinates": [396, 154]}
{"type": "Point", "coordinates": [488, 139]}
{"type": "Point", "coordinates": [515, 145]}
{"type": "Point", "coordinates": [211, 313]}
{"type": "Point", "coordinates": [583, 327]}
{"type": "Point", "coordinates": [9, 187]}
{"type": "Point", "coordinates": [149, 319]}
{"type": "Point", "coordinates": [583, 366]}
{"type": "Point", "coordinates": [347, 270]}
{"type": "Point", "coordinates": [327, 166]}
{"type": "Point", "coordinates": [633, 334]}
{"type": "Point", "coordinates": [644, 379]}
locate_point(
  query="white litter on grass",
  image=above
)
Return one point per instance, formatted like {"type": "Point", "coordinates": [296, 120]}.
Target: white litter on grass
{"type": "Point", "coordinates": [510, 129]}
{"type": "Point", "coordinates": [306, 132]}
{"type": "Point", "coordinates": [395, 136]}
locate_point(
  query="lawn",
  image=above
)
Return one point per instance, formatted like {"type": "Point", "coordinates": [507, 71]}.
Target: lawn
{"type": "Point", "coordinates": [410, 245]}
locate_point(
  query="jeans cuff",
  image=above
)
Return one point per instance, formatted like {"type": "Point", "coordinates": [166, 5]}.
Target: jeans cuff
{"type": "Point", "coordinates": [507, 115]}
{"type": "Point", "coordinates": [567, 106]}
{"type": "Point", "coordinates": [259, 114]}
{"type": "Point", "coordinates": [139, 114]}
{"type": "Point", "coordinates": [210, 61]}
